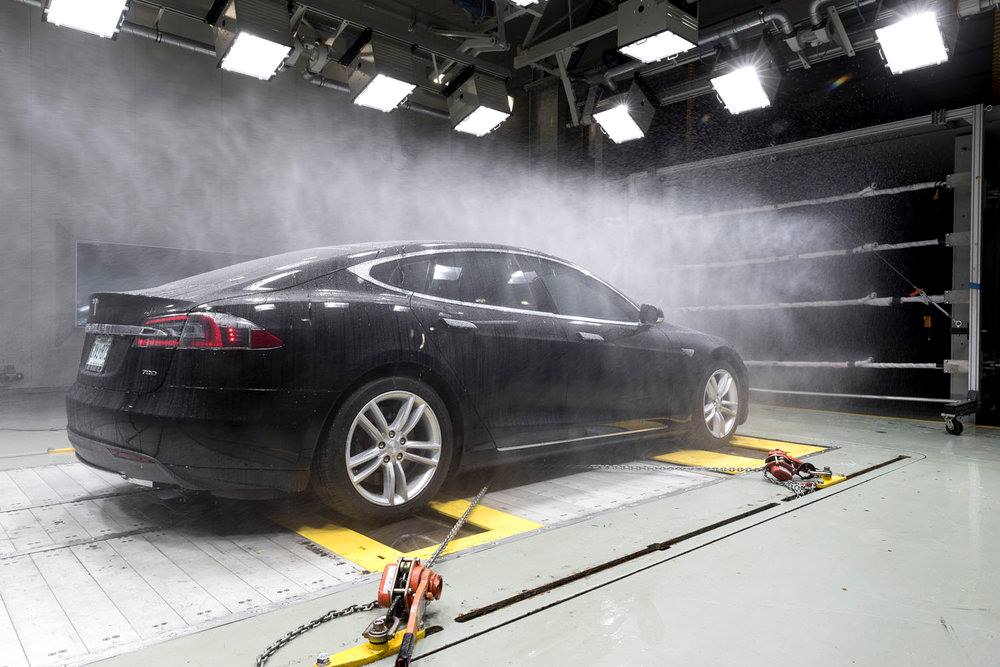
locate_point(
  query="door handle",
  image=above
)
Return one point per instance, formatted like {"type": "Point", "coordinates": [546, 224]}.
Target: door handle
{"type": "Point", "coordinates": [588, 337]}
{"type": "Point", "coordinates": [458, 325]}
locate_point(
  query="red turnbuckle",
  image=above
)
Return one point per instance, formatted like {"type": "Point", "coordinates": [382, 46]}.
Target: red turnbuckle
{"type": "Point", "coordinates": [783, 467]}
{"type": "Point", "coordinates": [405, 587]}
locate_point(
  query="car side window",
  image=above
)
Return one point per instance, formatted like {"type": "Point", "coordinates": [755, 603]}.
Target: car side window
{"type": "Point", "coordinates": [485, 278]}
{"type": "Point", "coordinates": [409, 274]}
{"type": "Point", "coordinates": [575, 293]}
{"type": "Point", "coordinates": [450, 276]}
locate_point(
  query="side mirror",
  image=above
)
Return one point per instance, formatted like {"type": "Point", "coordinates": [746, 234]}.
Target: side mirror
{"type": "Point", "coordinates": [650, 314]}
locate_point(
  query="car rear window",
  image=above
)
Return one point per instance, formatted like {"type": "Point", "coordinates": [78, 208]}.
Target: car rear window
{"type": "Point", "coordinates": [271, 273]}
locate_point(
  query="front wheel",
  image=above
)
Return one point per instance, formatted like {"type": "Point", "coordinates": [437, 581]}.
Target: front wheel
{"type": "Point", "coordinates": [716, 404]}
{"type": "Point", "coordinates": [387, 452]}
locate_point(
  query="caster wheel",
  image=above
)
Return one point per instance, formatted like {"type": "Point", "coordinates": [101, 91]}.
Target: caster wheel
{"type": "Point", "coordinates": [953, 426]}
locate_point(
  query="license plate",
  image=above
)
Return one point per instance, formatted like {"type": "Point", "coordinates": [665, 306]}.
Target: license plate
{"type": "Point", "coordinates": [98, 354]}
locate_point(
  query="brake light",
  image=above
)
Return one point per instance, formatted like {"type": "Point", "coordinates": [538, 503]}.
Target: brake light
{"type": "Point", "coordinates": [210, 331]}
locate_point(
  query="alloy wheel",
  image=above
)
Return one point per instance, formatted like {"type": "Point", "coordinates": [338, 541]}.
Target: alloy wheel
{"type": "Point", "coordinates": [393, 448]}
{"type": "Point", "coordinates": [721, 403]}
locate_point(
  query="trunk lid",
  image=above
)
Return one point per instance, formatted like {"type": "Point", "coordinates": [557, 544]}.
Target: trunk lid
{"type": "Point", "coordinates": [110, 359]}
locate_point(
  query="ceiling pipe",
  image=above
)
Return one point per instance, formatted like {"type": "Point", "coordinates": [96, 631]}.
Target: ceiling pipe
{"type": "Point", "coordinates": [686, 91]}
{"type": "Point", "coordinates": [161, 37]}
{"type": "Point", "coordinates": [323, 82]}
{"type": "Point", "coordinates": [332, 84]}
{"type": "Point", "coordinates": [608, 77]}
{"type": "Point", "coordinates": [816, 10]}
{"type": "Point", "coordinates": [416, 107]}
{"type": "Point", "coordinates": [748, 22]}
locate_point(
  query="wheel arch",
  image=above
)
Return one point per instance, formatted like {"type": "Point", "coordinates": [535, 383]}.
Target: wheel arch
{"type": "Point", "coordinates": [731, 356]}
{"type": "Point", "coordinates": [414, 369]}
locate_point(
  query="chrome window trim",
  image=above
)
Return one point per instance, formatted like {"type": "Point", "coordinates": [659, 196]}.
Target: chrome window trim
{"type": "Point", "coordinates": [588, 437]}
{"type": "Point", "coordinates": [363, 271]}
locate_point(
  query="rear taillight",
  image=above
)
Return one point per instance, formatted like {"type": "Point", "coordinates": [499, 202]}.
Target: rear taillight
{"type": "Point", "coordinates": [207, 331]}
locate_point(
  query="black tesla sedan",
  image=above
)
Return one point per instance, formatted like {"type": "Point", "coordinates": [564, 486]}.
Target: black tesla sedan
{"type": "Point", "coordinates": [373, 371]}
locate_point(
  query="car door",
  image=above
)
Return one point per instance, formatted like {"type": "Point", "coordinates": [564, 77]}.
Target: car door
{"type": "Point", "coordinates": [623, 375]}
{"type": "Point", "coordinates": [487, 324]}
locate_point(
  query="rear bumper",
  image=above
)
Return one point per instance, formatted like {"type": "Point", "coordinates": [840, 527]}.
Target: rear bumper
{"type": "Point", "coordinates": [199, 438]}
{"type": "Point", "coordinates": [224, 481]}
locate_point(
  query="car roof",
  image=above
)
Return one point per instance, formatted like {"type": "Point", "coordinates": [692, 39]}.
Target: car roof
{"type": "Point", "coordinates": [386, 248]}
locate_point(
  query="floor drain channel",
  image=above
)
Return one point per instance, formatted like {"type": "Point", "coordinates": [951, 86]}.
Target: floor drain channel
{"type": "Point", "coordinates": [652, 548]}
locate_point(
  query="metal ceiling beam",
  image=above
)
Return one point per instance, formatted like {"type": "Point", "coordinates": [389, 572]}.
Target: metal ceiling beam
{"type": "Point", "coordinates": [568, 40]}
{"type": "Point", "coordinates": [396, 26]}
{"type": "Point", "coordinates": [562, 57]}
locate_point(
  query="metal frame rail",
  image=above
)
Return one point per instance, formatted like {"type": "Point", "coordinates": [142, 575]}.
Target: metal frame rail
{"type": "Point", "coordinates": [971, 117]}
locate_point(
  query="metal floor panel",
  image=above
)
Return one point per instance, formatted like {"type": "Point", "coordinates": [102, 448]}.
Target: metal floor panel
{"type": "Point", "coordinates": [92, 566]}
{"type": "Point", "coordinates": [148, 613]}
{"type": "Point", "coordinates": [45, 633]}
{"type": "Point", "coordinates": [578, 495]}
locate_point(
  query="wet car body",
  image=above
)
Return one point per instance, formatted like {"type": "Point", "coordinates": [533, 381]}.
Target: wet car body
{"type": "Point", "coordinates": [517, 381]}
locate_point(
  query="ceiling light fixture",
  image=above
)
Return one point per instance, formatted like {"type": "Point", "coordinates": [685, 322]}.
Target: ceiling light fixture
{"type": "Point", "coordinates": [912, 42]}
{"type": "Point", "coordinates": [381, 75]}
{"type": "Point", "coordinates": [479, 105]}
{"type": "Point", "coordinates": [625, 117]}
{"type": "Point", "coordinates": [651, 30]}
{"type": "Point", "coordinates": [97, 17]}
{"type": "Point", "coordinates": [253, 37]}
{"type": "Point", "coordinates": [748, 82]}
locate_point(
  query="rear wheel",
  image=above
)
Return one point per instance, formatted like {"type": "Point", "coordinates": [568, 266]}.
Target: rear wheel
{"type": "Point", "coordinates": [717, 404]}
{"type": "Point", "coordinates": [387, 452]}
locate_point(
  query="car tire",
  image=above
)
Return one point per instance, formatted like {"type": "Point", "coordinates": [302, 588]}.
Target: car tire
{"type": "Point", "coordinates": [716, 425]}
{"type": "Point", "coordinates": [335, 478]}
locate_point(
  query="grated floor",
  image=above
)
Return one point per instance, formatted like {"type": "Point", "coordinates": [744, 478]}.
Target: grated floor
{"type": "Point", "coordinates": [92, 566]}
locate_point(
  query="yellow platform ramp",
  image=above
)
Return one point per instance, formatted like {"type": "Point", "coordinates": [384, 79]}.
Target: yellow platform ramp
{"type": "Point", "coordinates": [764, 445]}
{"type": "Point", "coordinates": [729, 464]}
{"type": "Point", "coordinates": [373, 556]}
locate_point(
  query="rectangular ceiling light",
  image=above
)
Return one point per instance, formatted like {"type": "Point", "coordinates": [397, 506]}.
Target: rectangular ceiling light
{"type": "Point", "coordinates": [742, 89]}
{"type": "Point", "coordinates": [651, 30]}
{"type": "Point", "coordinates": [253, 37]}
{"type": "Point", "coordinates": [381, 75]}
{"type": "Point", "coordinates": [98, 17]}
{"type": "Point", "coordinates": [479, 105]}
{"type": "Point", "coordinates": [912, 43]}
{"type": "Point", "coordinates": [384, 93]}
{"type": "Point", "coordinates": [625, 117]}
{"type": "Point", "coordinates": [254, 56]}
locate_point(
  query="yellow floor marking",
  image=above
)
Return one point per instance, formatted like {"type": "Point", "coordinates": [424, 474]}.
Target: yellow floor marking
{"type": "Point", "coordinates": [61, 450]}
{"type": "Point", "coordinates": [728, 463]}
{"type": "Point", "coordinates": [374, 556]}
{"type": "Point", "coordinates": [367, 653]}
{"type": "Point", "coordinates": [496, 525]}
{"type": "Point", "coordinates": [765, 445]}
{"type": "Point", "coordinates": [360, 549]}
